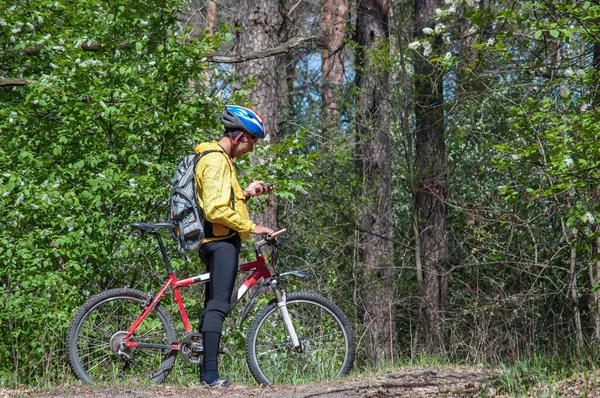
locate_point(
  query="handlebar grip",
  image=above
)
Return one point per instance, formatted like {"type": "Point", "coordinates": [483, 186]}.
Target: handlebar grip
{"type": "Point", "coordinates": [276, 234]}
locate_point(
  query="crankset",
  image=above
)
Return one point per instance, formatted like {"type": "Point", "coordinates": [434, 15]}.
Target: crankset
{"type": "Point", "coordinates": [191, 348]}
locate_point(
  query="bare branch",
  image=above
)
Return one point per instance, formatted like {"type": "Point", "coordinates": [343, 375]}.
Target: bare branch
{"type": "Point", "coordinates": [14, 82]}
{"type": "Point", "coordinates": [226, 59]}
{"type": "Point", "coordinates": [283, 48]}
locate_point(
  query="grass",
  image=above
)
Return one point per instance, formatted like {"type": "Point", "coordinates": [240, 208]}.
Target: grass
{"type": "Point", "coordinates": [550, 375]}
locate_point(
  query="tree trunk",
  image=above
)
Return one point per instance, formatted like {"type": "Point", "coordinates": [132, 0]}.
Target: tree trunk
{"type": "Point", "coordinates": [574, 291]}
{"type": "Point", "coordinates": [211, 16]}
{"type": "Point", "coordinates": [373, 166]}
{"type": "Point", "coordinates": [594, 274]}
{"type": "Point", "coordinates": [431, 172]}
{"type": "Point", "coordinates": [332, 57]}
{"type": "Point", "coordinates": [258, 30]}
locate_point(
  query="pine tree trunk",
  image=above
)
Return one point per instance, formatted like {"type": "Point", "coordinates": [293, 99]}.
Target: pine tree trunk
{"type": "Point", "coordinates": [258, 30]}
{"type": "Point", "coordinates": [211, 16]}
{"type": "Point", "coordinates": [432, 182]}
{"type": "Point", "coordinates": [373, 164]}
{"type": "Point", "coordinates": [332, 57]}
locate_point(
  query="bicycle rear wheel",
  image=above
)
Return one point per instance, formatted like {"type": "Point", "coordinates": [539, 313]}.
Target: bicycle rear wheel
{"type": "Point", "coordinates": [100, 325]}
{"type": "Point", "coordinates": [325, 336]}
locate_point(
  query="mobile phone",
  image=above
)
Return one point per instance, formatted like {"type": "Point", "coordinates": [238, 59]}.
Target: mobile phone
{"type": "Point", "coordinates": [266, 186]}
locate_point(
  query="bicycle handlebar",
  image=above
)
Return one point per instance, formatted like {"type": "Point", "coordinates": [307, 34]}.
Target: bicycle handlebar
{"type": "Point", "coordinates": [274, 235]}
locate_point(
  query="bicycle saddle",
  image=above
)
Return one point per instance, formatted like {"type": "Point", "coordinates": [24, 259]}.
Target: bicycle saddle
{"type": "Point", "coordinates": [147, 227]}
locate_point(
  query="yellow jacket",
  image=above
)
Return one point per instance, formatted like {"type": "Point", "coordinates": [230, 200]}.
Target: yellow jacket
{"type": "Point", "coordinates": [215, 176]}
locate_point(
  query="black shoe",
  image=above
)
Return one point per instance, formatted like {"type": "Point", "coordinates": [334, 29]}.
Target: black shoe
{"type": "Point", "coordinates": [217, 383]}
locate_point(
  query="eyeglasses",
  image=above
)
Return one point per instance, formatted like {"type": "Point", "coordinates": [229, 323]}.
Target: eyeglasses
{"type": "Point", "coordinates": [253, 137]}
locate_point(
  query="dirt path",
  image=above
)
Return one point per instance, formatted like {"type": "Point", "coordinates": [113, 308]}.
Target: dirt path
{"type": "Point", "coordinates": [406, 382]}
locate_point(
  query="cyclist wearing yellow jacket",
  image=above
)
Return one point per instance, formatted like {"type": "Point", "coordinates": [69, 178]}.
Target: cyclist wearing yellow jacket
{"type": "Point", "coordinates": [223, 202]}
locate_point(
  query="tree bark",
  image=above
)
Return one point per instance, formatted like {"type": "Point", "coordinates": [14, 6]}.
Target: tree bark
{"type": "Point", "coordinates": [373, 167]}
{"type": "Point", "coordinates": [258, 30]}
{"type": "Point", "coordinates": [332, 57]}
{"type": "Point", "coordinates": [573, 289]}
{"type": "Point", "coordinates": [432, 178]}
{"type": "Point", "coordinates": [211, 16]}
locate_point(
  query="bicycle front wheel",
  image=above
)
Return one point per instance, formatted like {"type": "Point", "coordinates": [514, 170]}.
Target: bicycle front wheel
{"type": "Point", "coordinates": [98, 329]}
{"type": "Point", "coordinates": [327, 342]}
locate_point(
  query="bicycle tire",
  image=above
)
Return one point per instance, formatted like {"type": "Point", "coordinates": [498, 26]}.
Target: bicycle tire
{"type": "Point", "coordinates": [100, 324]}
{"type": "Point", "coordinates": [324, 332]}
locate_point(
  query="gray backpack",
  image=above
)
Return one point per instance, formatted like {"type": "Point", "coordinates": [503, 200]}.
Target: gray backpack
{"type": "Point", "coordinates": [183, 209]}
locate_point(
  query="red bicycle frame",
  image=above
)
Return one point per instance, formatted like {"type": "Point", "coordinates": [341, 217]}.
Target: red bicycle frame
{"type": "Point", "coordinates": [258, 267]}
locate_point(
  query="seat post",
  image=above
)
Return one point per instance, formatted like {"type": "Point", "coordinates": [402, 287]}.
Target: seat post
{"type": "Point", "coordinates": [164, 253]}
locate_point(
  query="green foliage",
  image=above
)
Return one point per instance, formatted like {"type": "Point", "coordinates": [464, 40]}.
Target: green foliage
{"type": "Point", "coordinates": [120, 93]}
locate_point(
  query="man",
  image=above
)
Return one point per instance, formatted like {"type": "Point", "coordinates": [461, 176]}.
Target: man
{"type": "Point", "coordinates": [227, 221]}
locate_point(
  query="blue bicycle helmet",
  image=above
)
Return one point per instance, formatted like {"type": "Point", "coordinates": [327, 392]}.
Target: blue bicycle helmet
{"type": "Point", "coordinates": [241, 118]}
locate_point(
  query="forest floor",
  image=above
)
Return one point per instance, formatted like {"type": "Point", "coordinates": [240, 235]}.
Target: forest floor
{"type": "Point", "coordinates": [417, 382]}
{"type": "Point", "coordinates": [404, 382]}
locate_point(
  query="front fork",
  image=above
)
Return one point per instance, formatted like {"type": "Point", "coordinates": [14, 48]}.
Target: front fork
{"type": "Point", "coordinates": [287, 320]}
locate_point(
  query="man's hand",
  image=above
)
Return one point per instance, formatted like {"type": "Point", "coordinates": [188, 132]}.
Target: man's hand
{"type": "Point", "coordinates": [258, 188]}
{"type": "Point", "coordinates": [260, 230]}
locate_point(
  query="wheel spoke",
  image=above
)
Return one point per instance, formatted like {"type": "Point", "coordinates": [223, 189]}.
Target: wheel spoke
{"type": "Point", "coordinates": [324, 334]}
{"type": "Point", "coordinates": [96, 334]}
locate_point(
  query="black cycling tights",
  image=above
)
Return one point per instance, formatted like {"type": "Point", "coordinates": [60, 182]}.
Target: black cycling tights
{"type": "Point", "coordinates": [222, 259]}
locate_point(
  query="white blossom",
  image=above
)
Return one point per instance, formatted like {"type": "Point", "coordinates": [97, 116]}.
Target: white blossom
{"type": "Point", "coordinates": [451, 10]}
{"type": "Point", "coordinates": [414, 45]}
{"type": "Point", "coordinates": [438, 11]}
{"type": "Point", "coordinates": [152, 63]}
{"type": "Point", "coordinates": [491, 41]}
{"type": "Point", "coordinates": [40, 19]}
{"type": "Point", "coordinates": [132, 183]}
{"type": "Point", "coordinates": [426, 49]}
{"type": "Point", "coordinates": [439, 28]}
{"type": "Point", "coordinates": [30, 25]}
{"type": "Point", "coordinates": [427, 31]}
{"type": "Point", "coordinates": [2, 22]}
{"type": "Point", "coordinates": [143, 23]}
{"type": "Point", "coordinates": [13, 8]}
{"type": "Point", "coordinates": [13, 39]}
{"type": "Point", "coordinates": [16, 30]}
{"type": "Point", "coordinates": [101, 175]}
{"type": "Point", "coordinates": [584, 107]}
{"type": "Point", "coordinates": [580, 73]}
{"type": "Point", "coordinates": [569, 161]}
{"type": "Point", "coordinates": [19, 199]}
{"type": "Point", "coordinates": [590, 218]}
{"type": "Point", "coordinates": [569, 72]}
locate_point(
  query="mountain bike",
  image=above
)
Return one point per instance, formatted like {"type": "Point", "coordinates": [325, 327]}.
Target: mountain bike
{"type": "Point", "coordinates": [126, 333]}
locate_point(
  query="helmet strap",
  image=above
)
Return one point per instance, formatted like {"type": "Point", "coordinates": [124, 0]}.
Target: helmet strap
{"type": "Point", "coordinates": [233, 142]}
